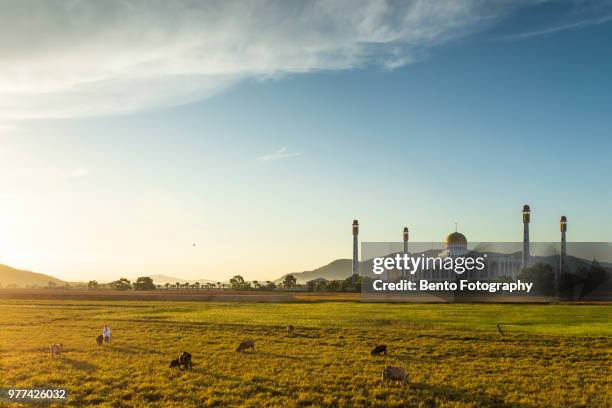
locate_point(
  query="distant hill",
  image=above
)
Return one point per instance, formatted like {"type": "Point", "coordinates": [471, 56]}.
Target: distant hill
{"type": "Point", "coordinates": [21, 278]}
{"type": "Point", "coordinates": [163, 279]}
{"type": "Point", "coordinates": [339, 269]}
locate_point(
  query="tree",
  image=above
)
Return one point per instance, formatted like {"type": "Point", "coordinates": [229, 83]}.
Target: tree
{"type": "Point", "coordinates": [311, 285]}
{"type": "Point", "coordinates": [543, 278]}
{"type": "Point", "coordinates": [237, 282]}
{"type": "Point", "coordinates": [567, 281]}
{"type": "Point", "coordinates": [321, 286]}
{"type": "Point", "coordinates": [595, 277]}
{"type": "Point", "coordinates": [121, 284]}
{"type": "Point", "coordinates": [167, 285]}
{"type": "Point", "coordinates": [144, 283]}
{"type": "Point", "coordinates": [178, 286]}
{"type": "Point", "coordinates": [290, 281]}
{"type": "Point", "coordinates": [333, 285]}
{"type": "Point", "coordinates": [92, 285]}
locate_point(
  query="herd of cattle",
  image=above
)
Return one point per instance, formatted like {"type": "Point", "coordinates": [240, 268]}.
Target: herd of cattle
{"type": "Point", "coordinates": [389, 373]}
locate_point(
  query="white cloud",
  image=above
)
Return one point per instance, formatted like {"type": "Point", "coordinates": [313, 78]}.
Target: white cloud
{"type": "Point", "coordinates": [71, 58]}
{"type": "Point", "coordinates": [280, 154]}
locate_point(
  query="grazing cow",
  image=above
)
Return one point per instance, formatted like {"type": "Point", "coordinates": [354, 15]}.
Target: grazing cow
{"type": "Point", "coordinates": [99, 340]}
{"type": "Point", "coordinates": [56, 350]}
{"type": "Point", "coordinates": [391, 373]}
{"type": "Point", "coordinates": [249, 344]}
{"type": "Point", "coordinates": [185, 360]}
{"type": "Point", "coordinates": [379, 350]}
{"type": "Point", "coordinates": [290, 330]}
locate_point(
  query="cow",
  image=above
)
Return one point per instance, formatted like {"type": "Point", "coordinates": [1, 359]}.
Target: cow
{"type": "Point", "coordinates": [391, 373]}
{"type": "Point", "coordinates": [99, 340]}
{"type": "Point", "coordinates": [245, 345]}
{"type": "Point", "coordinates": [56, 350]}
{"type": "Point", "coordinates": [290, 330]}
{"type": "Point", "coordinates": [379, 350]}
{"type": "Point", "coordinates": [185, 360]}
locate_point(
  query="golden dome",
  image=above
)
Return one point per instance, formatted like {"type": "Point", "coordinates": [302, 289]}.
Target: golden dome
{"type": "Point", "coordinates": [456, 238]}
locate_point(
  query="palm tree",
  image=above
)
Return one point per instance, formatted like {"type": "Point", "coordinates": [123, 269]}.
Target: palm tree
{"type": "Point", "coordinates": [167, 285]}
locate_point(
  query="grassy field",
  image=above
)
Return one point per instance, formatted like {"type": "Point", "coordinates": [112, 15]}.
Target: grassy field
{"type": "Point", "coordinates": [551, 355]}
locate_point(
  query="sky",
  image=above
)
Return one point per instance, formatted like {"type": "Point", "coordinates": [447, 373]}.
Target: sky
{"type": "Point", "coordinates": [206, 139]}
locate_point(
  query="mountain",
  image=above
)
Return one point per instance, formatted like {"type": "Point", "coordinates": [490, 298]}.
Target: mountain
{"type": "Point", "coordinates": [339, 269]}
{"type": "Point", "coordinates": [163, 279]}
{"type": "Point", "coordinates": [21, 278]}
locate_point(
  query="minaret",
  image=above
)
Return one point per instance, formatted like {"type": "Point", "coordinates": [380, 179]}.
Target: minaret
{"type": "Point", "coordinates": [562, 266]}
{"type": "Point", "coordinates": [355, 250]}
{"type": "Point", "coordinates": [405, 236]}
{"type": "Point", "coordinates": [526, 219]}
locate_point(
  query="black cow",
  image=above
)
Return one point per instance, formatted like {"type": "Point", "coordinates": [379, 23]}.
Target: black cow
{"type": "Point", "coordinates": [379, 350]}
{"type": "Point", "coordinates": [185, 359]}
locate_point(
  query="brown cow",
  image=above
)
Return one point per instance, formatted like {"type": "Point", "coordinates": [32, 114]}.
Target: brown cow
{"type": "Point", "coordinates": [245, 345]}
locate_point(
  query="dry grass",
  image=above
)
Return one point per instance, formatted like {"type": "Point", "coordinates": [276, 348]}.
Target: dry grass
{"type": "Point", "coordinates": [552, 355]}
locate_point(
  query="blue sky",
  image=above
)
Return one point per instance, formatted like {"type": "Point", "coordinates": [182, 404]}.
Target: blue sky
{"type": "Point", "coordinates": [264, 170]}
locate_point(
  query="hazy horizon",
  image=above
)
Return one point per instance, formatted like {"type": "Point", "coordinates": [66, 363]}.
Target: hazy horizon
{"type": "Point", "coordinates": [130, 132]}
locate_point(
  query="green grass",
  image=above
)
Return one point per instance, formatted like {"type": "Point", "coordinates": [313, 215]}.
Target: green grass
{"type": "Point", "coordinates": [551, 355]}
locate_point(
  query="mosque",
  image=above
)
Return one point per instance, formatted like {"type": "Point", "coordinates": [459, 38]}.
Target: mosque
{"type": "Point", "coordinates": [499, 265]}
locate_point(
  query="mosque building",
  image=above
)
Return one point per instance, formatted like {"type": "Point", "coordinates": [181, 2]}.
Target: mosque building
{"type": "Point", "coordinates": [499, 265]}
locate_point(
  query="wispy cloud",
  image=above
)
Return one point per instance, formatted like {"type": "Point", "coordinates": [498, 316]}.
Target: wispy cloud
{"type": "Point", "coordinates": [66, 58]}
{"type": "Point", "coordinates": [280, 154]}
{"type": "Point", "coordinates": [557, 28]}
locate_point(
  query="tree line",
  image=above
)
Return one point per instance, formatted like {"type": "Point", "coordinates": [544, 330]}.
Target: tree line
{"type": "Point", "coordinates": [237, 282]}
